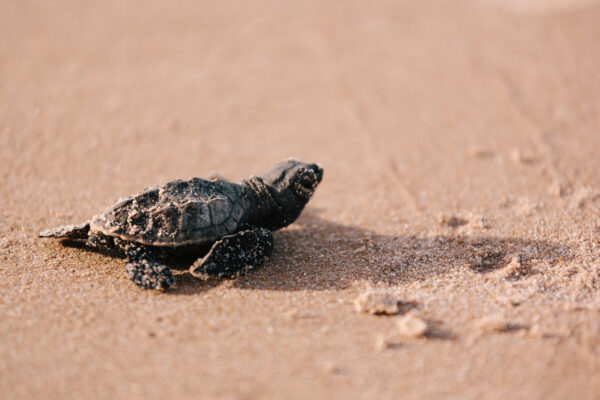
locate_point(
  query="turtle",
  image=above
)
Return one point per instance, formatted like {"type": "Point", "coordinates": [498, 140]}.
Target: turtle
{"type": "Point", "coordinates": [225, 226]}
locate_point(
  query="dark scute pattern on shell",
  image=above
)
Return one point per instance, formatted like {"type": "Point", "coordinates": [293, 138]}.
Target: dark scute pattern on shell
{"type": "Point", "coordinates": [147, 198]}
{"type": "Point", "coordinates": [177, 213]}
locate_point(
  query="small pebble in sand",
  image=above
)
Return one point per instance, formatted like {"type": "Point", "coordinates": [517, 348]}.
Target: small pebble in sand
{"type": "Point", "coordinates": [464, 224]}
{"type": "Point", "coordinates": [492, 324]}
{"type": "Point", "coordinates": [518, 157]}
{"type": "Point", "coordinates": [296, 314]}
{"type": "Point", "coordinates": [377, 302]}
{"type": "Point", "coordinates": [536, 332]}
{"type": "Point", "coordinates": [331, 368]}
{"type": "Point", "coordinates": [557, 189]}
{"type": "Point", "coordinates": [451, 221]}
{"type": "Point", "coordinates": [514, 269]}
{"type": "Point", "coordinates": [382, 343]}
{"type": "Point", "coordinates": [411, 326]}
{"type": "Point", "coordinates": [479, 152]}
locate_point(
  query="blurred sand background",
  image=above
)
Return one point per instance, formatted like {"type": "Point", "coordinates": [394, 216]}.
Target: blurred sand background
{"type": "Point", "coordinates": [456, 136]}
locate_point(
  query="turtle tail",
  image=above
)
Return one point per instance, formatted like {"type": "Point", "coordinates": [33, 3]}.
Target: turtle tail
{"type": "Point", "coordinates": [70, 232]}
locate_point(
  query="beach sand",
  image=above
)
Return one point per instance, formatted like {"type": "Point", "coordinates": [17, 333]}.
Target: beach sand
{"type": "Point", "coordinates": [460, 144]}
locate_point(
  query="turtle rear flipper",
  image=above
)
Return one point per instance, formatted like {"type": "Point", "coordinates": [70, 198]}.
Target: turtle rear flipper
{"type": "Point", "coordinates": [144, 268]}
{"type": "Point", "coordinates": [70, 232]}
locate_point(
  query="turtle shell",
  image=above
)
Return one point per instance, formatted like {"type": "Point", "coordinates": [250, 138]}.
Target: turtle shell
{"type": "Point", "coordinates": [175, 214]}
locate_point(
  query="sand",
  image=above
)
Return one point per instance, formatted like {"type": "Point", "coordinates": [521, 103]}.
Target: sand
{"type": "Point", "coordinates": [457, 138]}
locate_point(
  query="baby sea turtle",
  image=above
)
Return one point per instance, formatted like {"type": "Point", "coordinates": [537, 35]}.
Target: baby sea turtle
{"type": "Point", "coordinates": [226, 225]}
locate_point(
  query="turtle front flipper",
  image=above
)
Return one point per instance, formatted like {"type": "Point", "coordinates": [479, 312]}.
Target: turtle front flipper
{"type": "Point", "coordinates": [67, 232]}
{"type": "Point", "coordinates": [235, 253]}
{"type": "Point", "coordinates": [144, 268]}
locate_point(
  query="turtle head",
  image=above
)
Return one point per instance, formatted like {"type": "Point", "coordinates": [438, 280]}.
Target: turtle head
{"type": "Point", "coordinates": [291, 184]}
{"type": "Point", "coordinates": [294, 180]}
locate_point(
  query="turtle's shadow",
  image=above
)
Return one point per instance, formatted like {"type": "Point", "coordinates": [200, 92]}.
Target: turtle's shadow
{"type": "Point", "coordinates": [316, 254]}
